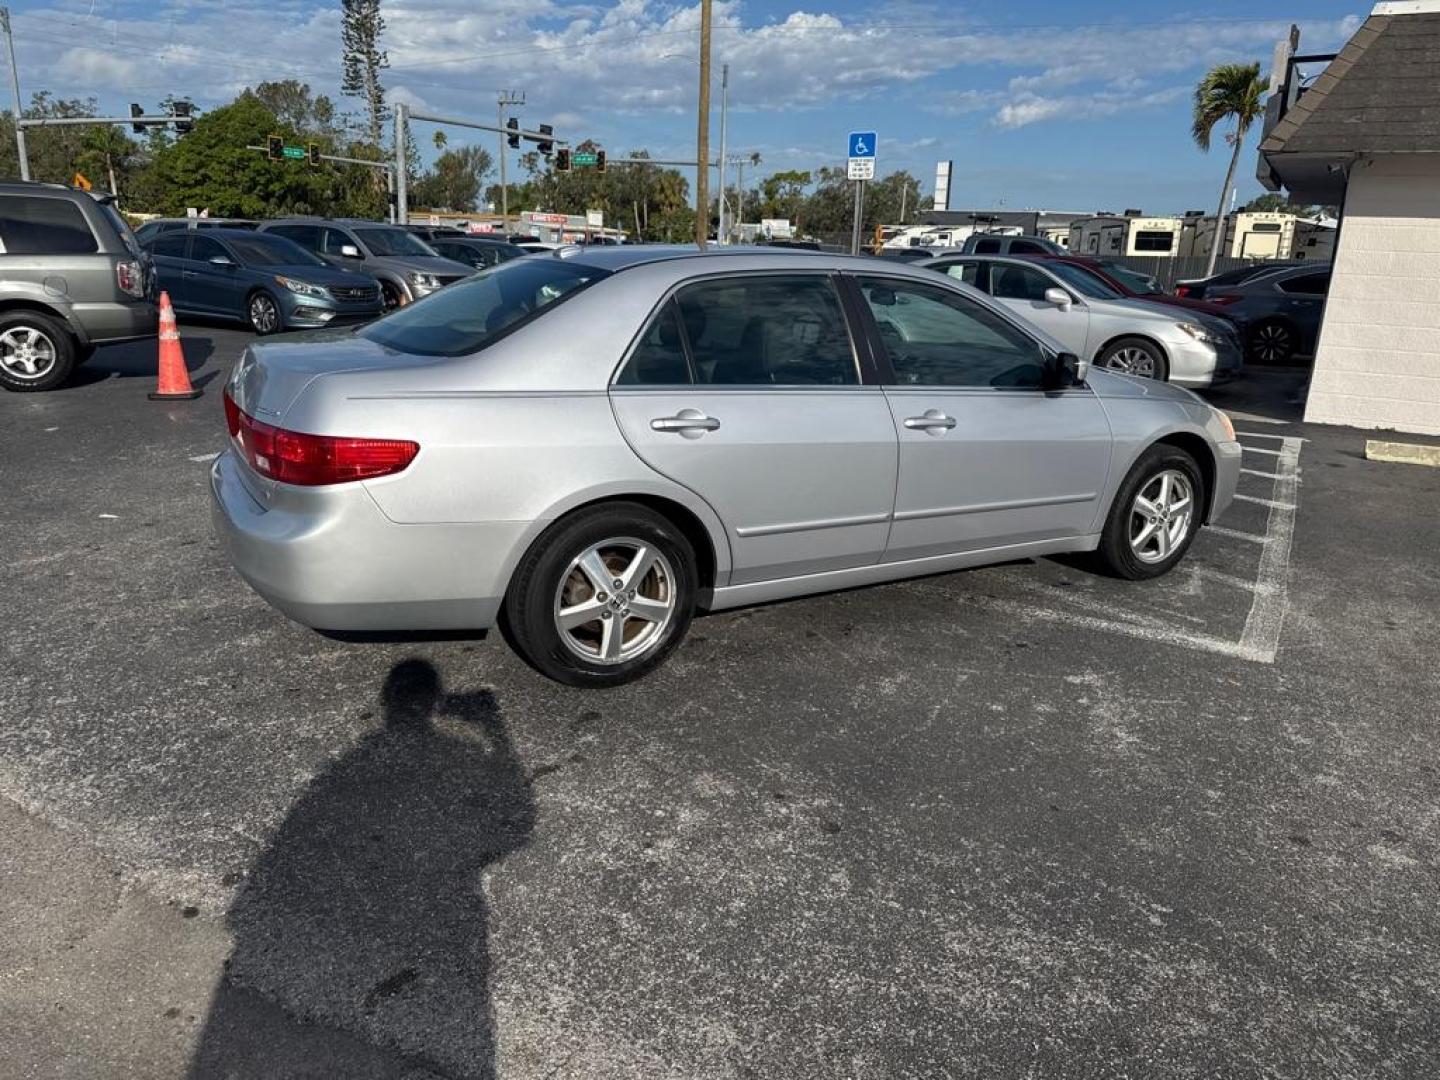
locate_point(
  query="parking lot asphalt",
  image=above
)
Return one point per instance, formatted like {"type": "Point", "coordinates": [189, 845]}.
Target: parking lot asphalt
{"type": "Point", "coordinates": [1019, 821]}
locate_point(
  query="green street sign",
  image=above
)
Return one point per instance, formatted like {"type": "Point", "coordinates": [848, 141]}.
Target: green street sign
{"type": "Point", "coordinates": [295, 153]}
{"type": "Point", "coordinates": [584, 157]}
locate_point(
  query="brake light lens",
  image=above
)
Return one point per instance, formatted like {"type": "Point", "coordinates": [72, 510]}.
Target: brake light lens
{"type": "Point", "coordinates": [1223, 298]}
{"type": "Point", "coordinates": [296, 457]}
{"type": "Point", "coordinates": [1182, 290]}
{"type": "Point", "coordinates": [130, 278]}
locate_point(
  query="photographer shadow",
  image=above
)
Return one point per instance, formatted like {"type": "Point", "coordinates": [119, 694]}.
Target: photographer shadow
{"type": "Point", "coordinates": [361, 936]}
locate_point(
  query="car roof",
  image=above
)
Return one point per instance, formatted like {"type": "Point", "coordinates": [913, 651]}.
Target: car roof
{"type": "Point", "coordinates": [615, 257]}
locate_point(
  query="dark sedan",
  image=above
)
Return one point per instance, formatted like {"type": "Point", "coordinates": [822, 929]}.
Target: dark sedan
{"type": "Point", "coordinates": [1199, 288]}
{"type": "Point", "coordinates": [476, 251]}
{"type": "Point", "coordinates": [267, 281]}
{"type": "Point", "coordinates": [1280, 311]}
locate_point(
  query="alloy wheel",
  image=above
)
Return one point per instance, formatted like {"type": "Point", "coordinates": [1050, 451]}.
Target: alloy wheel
{"type": "Point", "coordinates": [1132, 360]}
{"type": "Point", "coordinates": [1272, 344]}
{"type": "Point", "coordinates": [615, 601]}
{"type": "Point", "coordinates": [26, 353]}
{"type": "Point", "coordinates": [1161, 515]}
{"type": "Point", "coordinates": [264, 315]}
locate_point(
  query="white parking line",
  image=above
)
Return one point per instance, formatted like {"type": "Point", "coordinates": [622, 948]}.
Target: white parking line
{"type": "Point", "coordinates": [1267, 613]}
{"type": "Point", "coordinates": [1259, 472]}
{"type": "Point", "coordinates": [1236, 534]}
{"type": "Point", "coordinates": [1267, 435]}
{"type": "Point", "coordinates": [1265, 502]}
{"type": "Point", "coordinates": [1227, 579]}
{"type": "Point", "coordinates": [1257, 450]}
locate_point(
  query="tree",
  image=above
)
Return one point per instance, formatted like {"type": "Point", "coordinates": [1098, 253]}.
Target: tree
{"type": "Point", "coordinates": [362, 60]}
{"type": "Point", "coordinates": [1227, 92]}
{"type": "Point", "coordinates": [453, 182]}
{"type": "Point", "coordinates": [1272, 202]}
{"type": "Point", "coordinates": [782, 195]}
{"type": "Point", "coordinates": [294, 106]}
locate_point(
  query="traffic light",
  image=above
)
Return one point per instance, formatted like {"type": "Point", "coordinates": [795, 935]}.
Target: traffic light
{"type": "Point", "coordinates": [513, 140]}
{"type": "Point", "coordinates": [562, 160]}
{"type": "Point", "coordinates": [275, 147]}
{"type": "Point", "coordinates": [312, 152]}
{"type": "Point", "coordinates": [599, 160]}
{"type": "Point", "coordinates": [181, 111]}
{"type": "Point", "coordinates": [136, 110]}
{"type": "Point", "coordinates": [546, 146]}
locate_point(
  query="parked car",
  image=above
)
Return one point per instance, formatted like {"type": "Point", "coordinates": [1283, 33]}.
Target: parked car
{"type": "Point", "coordinates": [1135, 285]}
{"type": "Point", "coordinates": [1095, 320]}
{"type": "Point", "coordinates": [1198, 288]}
{"type": "Point", "coordinates": [893, 423]}
{"type": "Point", "coordinates": [434, 232]}
{"type": "Point", "coordinates": [1281, 311]}
{"type": "Point", "coordinates": [533, 244]}
{"type": "Point", "coordinates": [267, 281]}
{"type": "Point", "coordinates": [913, 254]}
{"type": "Point", "coordinates": [477, 252]}
{"type": "Point", "coordinates": [406, 267]}
{"type": "Point", "coordinates": [992, 244]}
{"type": "Point", "coordinates": [153, 228]}
{"type": "Point", "coordinates": [72, 277]}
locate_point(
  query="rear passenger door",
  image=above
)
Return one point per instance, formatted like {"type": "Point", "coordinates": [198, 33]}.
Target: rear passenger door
{"type": "Point", "coordinates": [747, 389]}
{"type": "Point", "coordinates": [1304, 303]}
{"type": "Point", "coordinates": [167, 253]}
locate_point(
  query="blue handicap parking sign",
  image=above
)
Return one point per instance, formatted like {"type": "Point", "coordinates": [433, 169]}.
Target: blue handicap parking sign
{"type": "Point", "coordinates": [862, 144]}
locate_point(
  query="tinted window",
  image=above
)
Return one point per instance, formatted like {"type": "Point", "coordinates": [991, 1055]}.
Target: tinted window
{"type": "Point", "coordinates": [205, 248]}
{"type": "Point", "coordinates": [1027, 247]}
{"type": "Point", "coordinates": [392, 242]}
{"type": "Point", "coordinates": [1307, 283]}
{"type": "Point", "coordinates": [1011, 282]}
{"type": "Point", "coordinates": [1134, 280]}
{"type": "Point", "coordinates": [333, 240]}
{"type": "Point", "coordinates": [1148, 240]}
{"type": "Point", "coordinates": [307, 236]}
{"type": "Point", "coordinates": [465, 316]}
{"type": "Point", "coordinates": [935, 338]}
{"type": "Point", "coordinates": [464, 253]}
{"type": "Point", "coordinates": [1083, 280]}
{"type": "Point", "coordinates": [987, 247]}
{"type": "Point", "coordinates": [968, 272]}
{"type": "Point", "coordinates": [767, 331]}
{"type": "Point", "coordinates": [170, 243]}
{"type": "Point", "coordinates": [263, 250]}
{"type": "Point", "coordinates": [659, 356]}
{"type": "Point", "coordinates": [121, 227]}
{"type": "Point", "coordinates": [35, 226]}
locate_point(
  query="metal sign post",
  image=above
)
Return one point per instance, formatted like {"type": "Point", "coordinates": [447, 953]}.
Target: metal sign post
{"type": "Point", "coordinates": [860, 153]}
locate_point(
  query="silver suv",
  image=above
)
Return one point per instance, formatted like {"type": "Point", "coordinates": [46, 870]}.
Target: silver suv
{"type": "Point", "coordinates": [72, 277]}
{"type": "Point", "coordinates": [406, 267]}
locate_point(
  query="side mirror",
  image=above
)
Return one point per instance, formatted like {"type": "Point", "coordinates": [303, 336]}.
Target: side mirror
{"type": "Point", "coordinates": [1063, 370]}
{"type": "Point", "coordinates": [221, 260]}
{"type": "Point", "coordinates": [1059, 297]}
{"type": "Point", "coordinates": [350, 251]}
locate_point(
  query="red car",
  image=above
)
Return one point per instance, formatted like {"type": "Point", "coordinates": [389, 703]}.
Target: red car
{"type": "Point", "coordinates": [1134, 285]}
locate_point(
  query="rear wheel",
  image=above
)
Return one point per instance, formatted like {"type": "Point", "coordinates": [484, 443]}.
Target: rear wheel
{"type": "Point", "coordinates": [264, 314]}
{"type": "Point", "coordinates": [1155, 515]}
{"type": "Point", "coordinates": [37, 352]}
{"type": "Point", "coordinates": [603, 596]}
{"type": "Point", "coordinates": [1272, 342]}
{"type": "Point", "coordinates": [1135, 356]}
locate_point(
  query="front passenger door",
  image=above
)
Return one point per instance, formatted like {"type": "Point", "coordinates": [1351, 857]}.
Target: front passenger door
{"type": "Point", "coordinates": [747, 390]}
{"type": "Point", "coordinates": [1022, 289]}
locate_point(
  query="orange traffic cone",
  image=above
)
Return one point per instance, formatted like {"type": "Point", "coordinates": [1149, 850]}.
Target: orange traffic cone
{"type": "Point", "coordinates": [174, 380]}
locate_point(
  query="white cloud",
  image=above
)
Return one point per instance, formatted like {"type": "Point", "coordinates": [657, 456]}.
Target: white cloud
{"type": "Point", "coordinates": [1033, 108]}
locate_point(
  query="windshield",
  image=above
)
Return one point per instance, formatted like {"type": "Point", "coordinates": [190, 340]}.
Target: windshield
{"type": "Point", "coordinates": [122, 227]}
{"type": "Point", "coordinates": [463, 317]}
{"type": "Point", "coordinates": [1083, 281]}
{"type": "Point", "coordinates": [393, 242]}
{"type": "Point", "coordinates": [267, 249]}
{"type": "Point", "coordinates": [1134, 280]}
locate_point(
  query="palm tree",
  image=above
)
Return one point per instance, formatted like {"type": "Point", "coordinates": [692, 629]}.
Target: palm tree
{"type": "Point", "coordinates": [1227, 92]}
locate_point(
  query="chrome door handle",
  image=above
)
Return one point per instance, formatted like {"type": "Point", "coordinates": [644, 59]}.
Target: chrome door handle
{"type": "Point", "coordinates": [933, 419]}
{"type": "Point", "coordinates": [687, 422]}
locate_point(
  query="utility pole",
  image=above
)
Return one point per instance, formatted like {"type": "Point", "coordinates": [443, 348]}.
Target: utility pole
{"type": "Point", "coordinates": [702, 135]}
{"type": "Point", "coordinates": [506, 99]}
{"type": "Point", "coordinates": [722, 234]}
{"type": "Point", "coordinates": [15, 95]}
{"type": "Point", "coordinates": [402, 181]}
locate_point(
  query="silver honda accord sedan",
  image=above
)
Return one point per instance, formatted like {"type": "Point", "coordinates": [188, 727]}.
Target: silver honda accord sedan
{"type": "Point", "coordinates": [586, 447]}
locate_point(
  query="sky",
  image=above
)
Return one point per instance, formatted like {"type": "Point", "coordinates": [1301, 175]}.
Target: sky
{"type": "Point", "coordinates": [1075, 105]}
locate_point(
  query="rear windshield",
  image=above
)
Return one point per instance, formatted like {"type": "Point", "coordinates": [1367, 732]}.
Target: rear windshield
{"type": "Point", "coordinates": [264, 249]}
{"type": "Point", "coordinates": [122, 227]}
{"type": "Point", "coordinates": [393, 242]}
{"type": "Point", "coordinates": [1134, 280]}
{"type": "Point", "coordinates": [463, 317]}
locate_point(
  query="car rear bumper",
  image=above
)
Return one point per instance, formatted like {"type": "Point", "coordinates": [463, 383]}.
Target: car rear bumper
{"type": "Point", "coordinates": [103, 323]}
{"type": "Point", "coordinates": [330, 559]}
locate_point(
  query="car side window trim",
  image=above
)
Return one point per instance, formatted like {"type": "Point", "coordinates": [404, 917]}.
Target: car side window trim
{"type": "Point", "coordinates": [852, 331]}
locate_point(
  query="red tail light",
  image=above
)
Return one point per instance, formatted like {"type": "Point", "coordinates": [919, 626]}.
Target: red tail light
{"type": "Point", "coordinates": [1223, 298]}
{"type": "Point", "coordinates": [1182, 290]}
{"type": "Point", "coordinates": [295, 457]}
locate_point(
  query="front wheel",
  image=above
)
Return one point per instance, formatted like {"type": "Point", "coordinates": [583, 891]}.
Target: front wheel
{"type": "Point", "coordinates": [37, 351]}
{"type": "Point", "coordinates": [1155, 515]}
{"type": "Point", "coordinates": [1135, 356]}
{"type": "Point", "coordinates": [264, 312]}
{"type": "Point", "coordinates": [1272, 343]}
{"type": "Point", "coordinates": [391, 295]}
{"type": "Point", "coordinates": [603, 596]}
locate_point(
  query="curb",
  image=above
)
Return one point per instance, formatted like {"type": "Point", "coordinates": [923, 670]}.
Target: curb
{"type": "Point", "coordinates": [1402, 453]}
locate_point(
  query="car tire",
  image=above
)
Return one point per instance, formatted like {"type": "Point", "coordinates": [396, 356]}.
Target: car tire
{"type": "Point", "coordinates": [1271, 342]}
{"type": "Point", "coordinates": [1135, 356]}
{"type": "Point", "coordinates": [262, 312]}
{"type": "Point", "coordinates": [37, 352]}
{"type": "Point", "coordinates": [391, 295]}
{"type": "Point", "coordinates": [1144, 536]}
{"type": "Point", "coordinates": [634, 628]}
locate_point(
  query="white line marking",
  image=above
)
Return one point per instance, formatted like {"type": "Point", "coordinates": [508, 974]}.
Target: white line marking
{"type": "Point", "coordinates": [1267, 614]}
{"type": "Point", "coordinates": [52, 429]}
{"type": "Point", "coordinates": [1259, 472]}
{"type": "Point", "coordinates": [1236, 534]}
{"type": "Point", "coordinates": [1265, 502]}
{"type": "Point", "coordinates": [1226, 579]}
{"type": "Point", "coordinates": [111, 517]}
{"type": "Point", "coordinates": [1236, 414]}
{"type": "Point", "coordinates": [1267, 435]}
{"type": "Point", "coordinates": [206, 457]}
{"type": "Point", "coordinates": [1080, 600]}
{"type": "Point", "coordinates": [1257, 450]}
